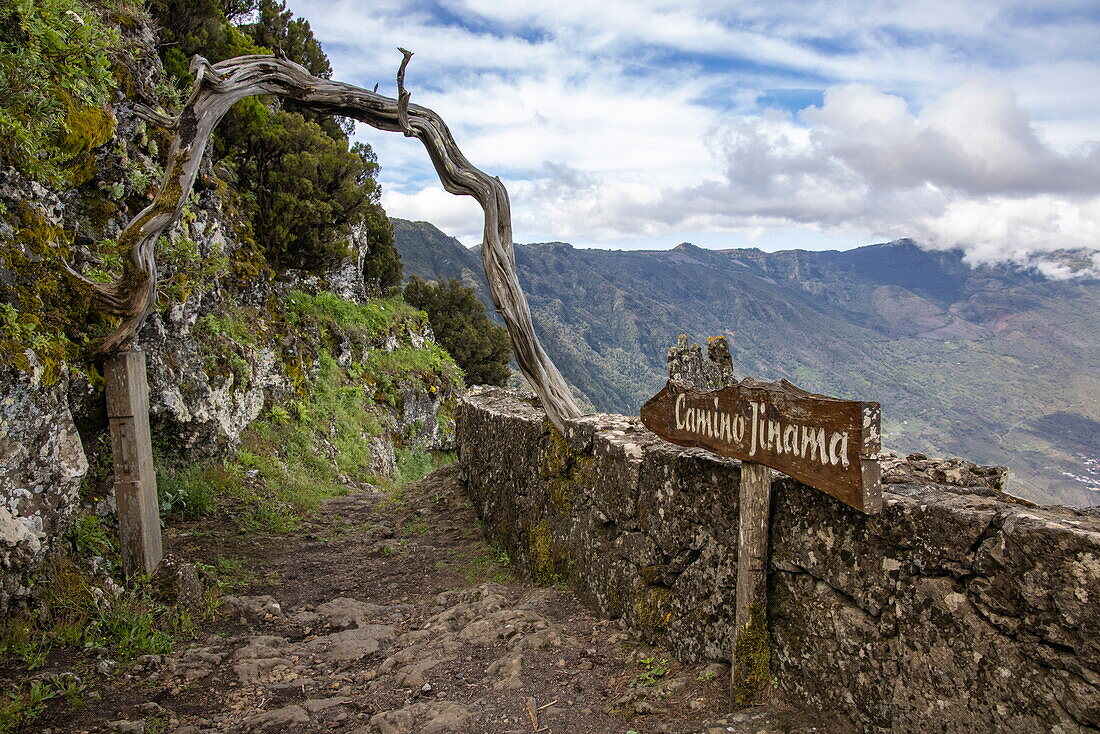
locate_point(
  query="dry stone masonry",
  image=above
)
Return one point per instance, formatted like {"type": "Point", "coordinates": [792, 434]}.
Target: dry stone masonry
{"type": "Point", "coordinates": [954, 609]}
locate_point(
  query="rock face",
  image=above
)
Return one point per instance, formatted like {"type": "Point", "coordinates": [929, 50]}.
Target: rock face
{"type": "Point", "coordinates": [41, 465]}
{"type": "Point", "coordinates": [945, 612]}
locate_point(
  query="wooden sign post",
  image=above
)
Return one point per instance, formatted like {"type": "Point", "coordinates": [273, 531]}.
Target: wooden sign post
{"type": "Point", "coordinates": [132, 448]}
{"type": "Point", "coordinates": [826, 443]}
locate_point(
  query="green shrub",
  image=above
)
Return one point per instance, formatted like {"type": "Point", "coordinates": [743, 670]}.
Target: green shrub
{"type": "Point", "coordinates": [458, 320]}
{"type": "Point", "coordinates": [303, 189]}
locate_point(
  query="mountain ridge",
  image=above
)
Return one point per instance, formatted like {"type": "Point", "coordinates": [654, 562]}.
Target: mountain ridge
{"type": "Point", "coordinates": [990, 362]}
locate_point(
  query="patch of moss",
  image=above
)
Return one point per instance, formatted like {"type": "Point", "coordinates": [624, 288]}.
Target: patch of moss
{"type": "Point", "coordinates": [651, 613]}
{"type": "Point", "coordinates": [565, 470]}
{"type": "Point", "coordinates": [549, 562]}
{"type": "Point", "coordinates": [614, 600]}
{"type": "Point", "coordinates": [752, 659]}
{"type": "Point", "coordinates": [86, 128]}
{"type": "Point", "coordinates": [46, 314]}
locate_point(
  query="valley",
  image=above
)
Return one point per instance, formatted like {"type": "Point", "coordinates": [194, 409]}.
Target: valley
{"type": "Point", "coordinates": [996, 364]}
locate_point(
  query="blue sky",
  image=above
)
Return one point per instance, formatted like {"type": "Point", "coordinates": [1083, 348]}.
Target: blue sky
{"type": "Point", "coordinates": [633, 123]}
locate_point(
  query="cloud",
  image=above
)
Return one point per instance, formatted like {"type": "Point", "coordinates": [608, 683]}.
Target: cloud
{"type": "Point", "coordinates": [970, 170]}
{"type": "Point", "coordinates": [624, 122]}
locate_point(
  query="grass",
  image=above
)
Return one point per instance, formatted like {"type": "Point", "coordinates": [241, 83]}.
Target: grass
{"type": "Point", "coordinates": [74, 610]}
{"type": "Point", "coordinates": [388, 372]}
{"type": "Point", "coordinates": [23, 705]}
{"type": "Point", "coordinates": [492, 564]}
{"type": "Point", "coordinates": [334, 313]}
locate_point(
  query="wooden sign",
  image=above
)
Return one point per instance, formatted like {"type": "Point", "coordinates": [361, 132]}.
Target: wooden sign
{"type": "Point", "coordinates": [824, 442]}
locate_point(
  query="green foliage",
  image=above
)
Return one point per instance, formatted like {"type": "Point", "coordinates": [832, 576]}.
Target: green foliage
{"type": "Point", "coordinates": [55, 83]}
{"type": "Point", "coordinates": [334, 313]}
{"type": "Point", "coordinates": [188, 272]}
{"type": "Point", "coordinates": [308, 457]}
{"type": "Point", "coordinates": [416, 462]}
{"type": "Point", "coordinates": [190, 492]}
{"type": "Point", "coordinates": [276, 28]}
{"type": "Point", "coordinates": [74, 612]}
{"type": "Point", "coordinates": [458, 320]}
{"type": "Point", "coordinates": [89, 537]}
{"type": "Point", "coordinates": [303, 189]}
{"type": "Point", "coordinates": [317, 442]}
{"type": "Point", "coordinates": [382, 267]}
{"type": "Point", "coordinates": [22, 705]}
{"type": "Point", "coordinates": [45, 313]}
{"type": "Point", "coordinates": [388, 372]}
{"type": "Point", "coordinates": [653, 670]}
{"type": "Point", "coordinates": [188, 27]}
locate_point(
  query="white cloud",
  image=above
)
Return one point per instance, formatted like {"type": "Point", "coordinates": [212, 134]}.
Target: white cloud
{"type": "Point", "coordinates": [968, 171]}
{"type": "Point", "coordinates": [958, 123]}
{"type": "Point", "coordinates": [458, 216]}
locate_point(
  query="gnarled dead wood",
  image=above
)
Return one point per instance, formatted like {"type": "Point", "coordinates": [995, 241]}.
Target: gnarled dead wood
{"type": "Point", "coordinates": [216, 88]}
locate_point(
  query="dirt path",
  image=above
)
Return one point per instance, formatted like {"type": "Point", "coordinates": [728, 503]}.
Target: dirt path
{"type": "Point", "coordinates": [390, 615]}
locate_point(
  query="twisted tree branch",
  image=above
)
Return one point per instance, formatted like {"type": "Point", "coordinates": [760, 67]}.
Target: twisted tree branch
{"type": "Point", "coordinates": [216, 88]}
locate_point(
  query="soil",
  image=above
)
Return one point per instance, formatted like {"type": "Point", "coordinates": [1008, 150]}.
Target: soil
{"type": "Point", "coordinates": [387, 614]}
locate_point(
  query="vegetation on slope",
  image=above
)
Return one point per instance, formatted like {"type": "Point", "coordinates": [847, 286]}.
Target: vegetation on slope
{"type": "Point", "coordinates": [284, 193]}
{"type": "Point", "coordinates": [319, 443]}
{"type": "Point", "coordinates": [459, 323]}
{"type": "Point", "coordinates": [55, 83]}
{"type": "Point", "coordinates": [292, 188]}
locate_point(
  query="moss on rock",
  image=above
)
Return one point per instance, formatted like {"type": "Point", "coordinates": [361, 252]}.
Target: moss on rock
{"type": "Point", "coordinates": [566, 471]}
{"type": "Point", "coordinates": [549, 560]}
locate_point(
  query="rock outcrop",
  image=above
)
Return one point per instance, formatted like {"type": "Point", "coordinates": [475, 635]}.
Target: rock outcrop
{"type": "Point", "coordinates": [42, 463]}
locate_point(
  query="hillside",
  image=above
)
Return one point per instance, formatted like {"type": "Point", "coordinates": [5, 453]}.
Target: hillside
{"type": "Point", "coordinates": [280, 370]}
{"type": "Point", "coordinates": [992, 363]}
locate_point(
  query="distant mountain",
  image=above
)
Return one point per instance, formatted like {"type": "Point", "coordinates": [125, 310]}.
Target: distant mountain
{"type": "Point", "coordinates": [993, 363]}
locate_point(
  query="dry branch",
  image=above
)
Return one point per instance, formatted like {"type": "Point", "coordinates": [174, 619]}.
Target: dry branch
{"type": "Point", "coordinates": [216, 88]}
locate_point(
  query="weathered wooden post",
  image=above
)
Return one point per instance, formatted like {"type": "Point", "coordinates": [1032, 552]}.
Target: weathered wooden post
{"type": "Point", "coordinates": [750, 667]}
{"type": "Point", "coordinates": [826, 443]}
{"type": "Point", "coordinates": [135, 479]}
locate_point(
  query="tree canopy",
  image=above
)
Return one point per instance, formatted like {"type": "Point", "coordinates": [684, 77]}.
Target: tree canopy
{"type": "Point", "coordinates": [304, 188]}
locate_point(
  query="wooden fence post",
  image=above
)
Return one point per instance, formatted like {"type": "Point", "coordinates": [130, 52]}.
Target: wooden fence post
{"type": "Point", "coordinates": [751, 669]}
{"type": "Point", "coordinates": [132, 448]}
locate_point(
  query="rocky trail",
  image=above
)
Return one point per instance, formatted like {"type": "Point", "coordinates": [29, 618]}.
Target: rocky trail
{"type": "Point", "coordinates": [389, 614]}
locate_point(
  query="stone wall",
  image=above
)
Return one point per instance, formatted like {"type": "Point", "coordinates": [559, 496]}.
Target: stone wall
{"type": "Point", "coordinates": [949, 611]}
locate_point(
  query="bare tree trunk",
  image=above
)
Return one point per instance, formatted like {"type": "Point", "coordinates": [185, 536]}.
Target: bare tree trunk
{"type": "Point", "coordinates": [217, 87]}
